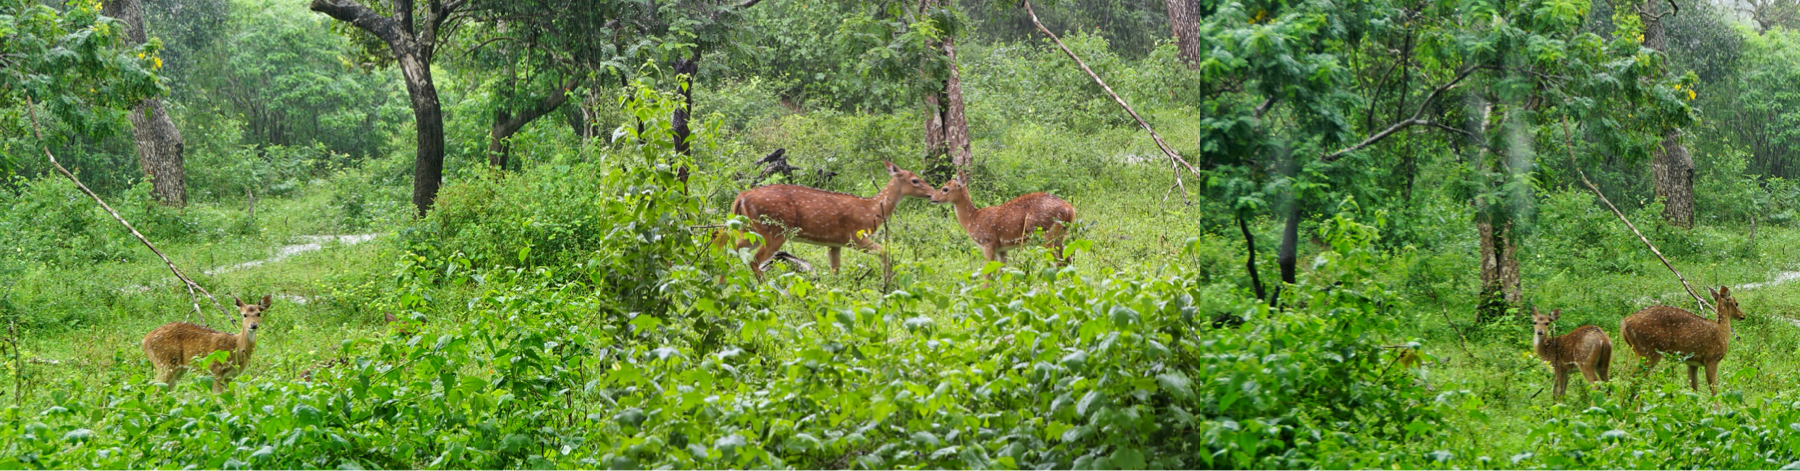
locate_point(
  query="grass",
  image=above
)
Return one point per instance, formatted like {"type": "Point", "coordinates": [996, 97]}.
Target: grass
{"type": "Point", "coordinates": [1124, 213]}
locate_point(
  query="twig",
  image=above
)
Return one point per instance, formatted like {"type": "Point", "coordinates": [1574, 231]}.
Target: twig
{"type": "Point", "coordinates": [1175, 160]}
{"type": "Point", "coordinates": [1568, 141]}
{"type": "Point", "coordinates": [1463, 340]}
{"type": "Point", "coordinates": [31, 109]}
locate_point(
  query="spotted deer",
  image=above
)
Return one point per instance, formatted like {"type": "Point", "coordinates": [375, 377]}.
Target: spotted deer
{"type": "Point", "coordinates": [174, 345]}
{"type": "Point", "coordinates": [819, 217]}
{"type": "Point", "coordinates": [1659, 330]}
{"type": "Point", "coordinates": [998, 229]}
{"type": "Point", "coordinates": [1586, 348]}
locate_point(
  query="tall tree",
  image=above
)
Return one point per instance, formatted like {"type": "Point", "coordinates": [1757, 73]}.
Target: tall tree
{"type": "Point", "coordinates": [1184, 20]}
{"type": "Point", "coordinates": [158, 142]}
{"type": "Point", "coordinates": [1671, 168]}
{"type": "Point", "coordinates": [946, 128]}
{"type": "Point", "coordinates": [412, 38]}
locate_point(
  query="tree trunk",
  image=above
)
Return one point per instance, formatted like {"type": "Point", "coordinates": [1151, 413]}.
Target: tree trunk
{"type": "Point", "coordinates": [946, 129]}
{"type": "Point", "coordinates": [1671, 168]}
{"type": "Point", "coordinates": [428, 117]}
{"type": "Point", "coordinates": [413, 51]}
{"type": "Point", "coordinates": [1500, 282]}
{"type": "Point", "coordinates": [507, 123]}
{"type": "Point", "coordinates": [1288, 255]}
{"type": "Point", "coordinates": [159, 144]}
{"type": "Point", "coordinates": [1184, 19]}
{"type": "Point", "coordinates": [1250, 263]}
{"type": "Point", "coordinates": [685, 70]}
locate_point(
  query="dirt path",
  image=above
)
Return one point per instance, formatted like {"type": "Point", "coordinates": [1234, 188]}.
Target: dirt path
{"type": "Point", "coordinates": [308, 243]}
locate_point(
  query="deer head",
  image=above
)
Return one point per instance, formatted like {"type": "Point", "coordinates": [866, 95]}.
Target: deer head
{"type": "Point", "coordinates": [252, 312]}
{"type": "Point", "coordinates": [1540, 324]}
{"type": "Point", "coordinates": [1725, 304]}
{"type": "Point", "coordinates": [956, 188]}
{"type": "Point", "coordinates": [908, 183]}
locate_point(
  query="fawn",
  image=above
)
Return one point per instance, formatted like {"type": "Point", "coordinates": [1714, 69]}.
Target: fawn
{"type": "Point", "coordinates": [172, 346]}
{"type": "Point", "coordinates": [998, 229]}
{"type": "Point", "coordinates": [1662, 329]}
{"type": "Point", "coordinates": [1586, 348]}
{"type": "Point", "coordinates": [819, 217]}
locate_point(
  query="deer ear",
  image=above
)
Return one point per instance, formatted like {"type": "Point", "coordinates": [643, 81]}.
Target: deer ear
{"type": "Point", "coordinates": [1724, 291]}
{"type": "Point", "coordinates": [892, 170]}
{"type": "Point", "coordinates": [266, 300]}
{"type": "Point", "coordinates": [1534, 311]}
{"type": "Point", "coordinates": [240, 302]}
{"type": "Point", "coordinates": [1713, 292]}
{"type": "Point", "coordinates": [962, 176]}
{"type": "Point", "coordinates": [1556, 314]}
{"type": "Point", "coordinates": [389, 316]}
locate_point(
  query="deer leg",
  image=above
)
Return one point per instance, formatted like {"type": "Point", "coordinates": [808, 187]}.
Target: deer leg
{"type": "Point", "coordinates": [1054, 242]}
{"type": "Point", "coordinates": [1693, 371]}
{"type": "Point", "coordinates": [1562, 380]}
{"type": "Point", "coordinates": [1588, 372]}
{"type": "Point", "coordinates": [771, 243]}
{"type": "Point", "coordinates": [1650, 361]}
{"type": "Point", "coordinates": [1712, 377]}
{"type": "Point", "coordinates": [834, 251]}
{"type": "Point", "coordinates": [887, 264]}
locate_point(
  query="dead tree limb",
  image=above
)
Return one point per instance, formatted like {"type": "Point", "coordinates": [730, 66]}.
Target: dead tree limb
{"type": "Point", "coordinates": [1412, 121]}
{"type": "Point", "coordinates": [1175, 160]}
{"type": "Point", "coordinates": [31, 109]}
{"type": "Point", "coordinates": [1569, 141]}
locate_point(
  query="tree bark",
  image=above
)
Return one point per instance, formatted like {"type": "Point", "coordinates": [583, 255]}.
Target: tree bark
{"type": "Point", "coordinates": [507, 123]}
{"type": "Point", "coordinates": [946, 129]}
{"type": "Point", "coordinates": [413, 50]}
{"type": "Point", "coordinates": [1250, 263]}
{"type": "Point", "coordinates": [1671, 168]}
{"type": "Point", "coordinates": [1288, 255]}
{"type": "Point", "coordinates": [1184, 20]}
{"type": "Point", "coordinates": [159, 144]}
{"type": "Point", "coordinates": [1500, 281]}
{"type": "Point", "coordinates": [685, 70]}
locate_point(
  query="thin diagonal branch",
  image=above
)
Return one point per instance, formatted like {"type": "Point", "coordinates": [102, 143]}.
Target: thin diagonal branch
{"type": "Point", "coordinates": [1569, 142]}
{"type": "Point", "coordinates": [31, 109]}
{"type": "Point", "coordinates": [1175, 160]}
{"type": "Point", "coordinates": [1414, 120]}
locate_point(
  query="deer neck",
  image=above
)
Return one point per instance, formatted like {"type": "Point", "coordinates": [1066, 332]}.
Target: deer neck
{"type": "Point", "coordinates": [887, 200]}
{"type": "Point", "coordinates": [965, 210]}
{"type": "Point", "coordinates": [1544, 345]}
{"type": "Point", "coordinates": [1724, 322]}
{"type": "Point", "coordinates": [246, 344]}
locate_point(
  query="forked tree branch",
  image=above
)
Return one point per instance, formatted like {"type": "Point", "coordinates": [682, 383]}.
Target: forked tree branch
{"type": "Point", "coordinates": [31, 110]}
{"type": "Point", "coordinates": [1569, 142]}
{"type": "Point", "coordinates": [1412, 121]}
{"type": "Point", "coordinates": [1175, 160]}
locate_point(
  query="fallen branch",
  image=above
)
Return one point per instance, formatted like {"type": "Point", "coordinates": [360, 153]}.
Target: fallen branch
{"type": "Point", "coordinates": [31, 109]}
{"type": "Point", "coordinates": [1175, 160]}
{"type": "Point", "coordinates": [1568, 141]}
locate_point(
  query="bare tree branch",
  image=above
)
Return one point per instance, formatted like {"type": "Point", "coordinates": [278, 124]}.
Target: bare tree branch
{"type": "Point", "coordinates": [1175, 160]}
{"type": "Point", "coordinates": [1414, 120]}
{"type": "Point", "coordinates": [31, 109]}
{"type": "Point", "coordinates": [1569, 142]}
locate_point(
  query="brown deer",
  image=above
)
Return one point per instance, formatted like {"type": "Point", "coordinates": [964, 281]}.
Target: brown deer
{"type": "Point", "coordinates": [1661, 329]}
{"type": "Point", "coordinates": [174, 345]}
{"type": "Point", "coordinates": [819, 217]}
{"type": "Point", "coordinates": [998, 229]}
{"type": "Point", "coordinates": [1586, 348]}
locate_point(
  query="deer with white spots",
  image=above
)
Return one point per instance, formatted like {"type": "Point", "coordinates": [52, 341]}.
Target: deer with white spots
{"type": "Point", "coordinates": [819, 217]}
{"type": "Point", "coordinates": [998, 229]}
{"type": "Point", "coordinates": [1657, 330]}
{"type": "Point", "coordinates": [174, 345]}
{"type": "Point", "coordinates": [1586, 348]}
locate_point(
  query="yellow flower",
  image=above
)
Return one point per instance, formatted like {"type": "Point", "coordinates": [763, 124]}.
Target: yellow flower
{"type": "Point", "coordinates": [156, 63]}
{"type": "Point", "coordinates": [1260, 14]}
{"type": "Point", "coordinates": [1691, 95]}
